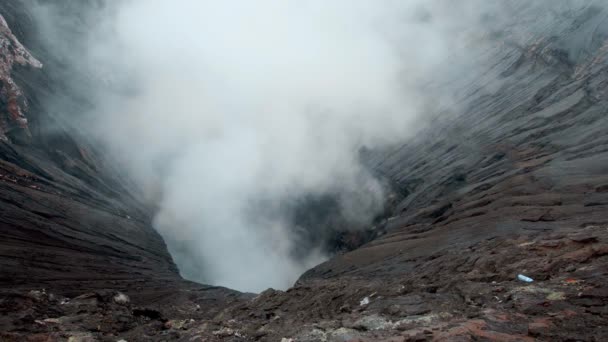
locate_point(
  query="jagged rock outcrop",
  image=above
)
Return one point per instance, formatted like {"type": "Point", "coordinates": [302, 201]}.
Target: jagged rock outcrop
{"type": "Point", "coordinates": [13, 103]}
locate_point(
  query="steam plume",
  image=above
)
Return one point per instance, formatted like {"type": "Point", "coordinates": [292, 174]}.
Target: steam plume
{"type": "Point", "coordinates": [222, 110]}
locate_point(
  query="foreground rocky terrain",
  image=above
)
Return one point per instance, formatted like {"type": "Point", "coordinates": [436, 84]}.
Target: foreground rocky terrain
{"type": "Point", "coordinates": [514, 181]}
{"type": "Point", "coordinates": [453, 294]}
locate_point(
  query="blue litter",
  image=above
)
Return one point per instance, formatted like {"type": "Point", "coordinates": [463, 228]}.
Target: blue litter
{"type": "Point", "coordinates": [524, 278]}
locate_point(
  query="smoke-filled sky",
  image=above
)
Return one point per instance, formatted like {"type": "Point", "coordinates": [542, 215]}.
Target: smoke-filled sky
{"type": "Point", "coordinates": [249, 100]}
{"type": "Point", "coordinates": [214, 107]}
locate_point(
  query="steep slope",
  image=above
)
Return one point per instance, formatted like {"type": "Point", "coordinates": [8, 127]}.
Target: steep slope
{"type": "Point", "coordinates": [526, 153]}
{"type": "Point", "coordinates": [511, 181]}
{"type": "Point", "coordinates": [69, 221]}
{"type": "Point", "coordinates": [514, 182]}
{"type": "Point", "coordinates": [64, 215]}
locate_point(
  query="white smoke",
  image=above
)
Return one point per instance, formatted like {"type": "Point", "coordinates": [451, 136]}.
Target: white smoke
{"type": "Point", "coordinates": [214, 105]}
{"type": "Point", "coordinates": [240, 100]}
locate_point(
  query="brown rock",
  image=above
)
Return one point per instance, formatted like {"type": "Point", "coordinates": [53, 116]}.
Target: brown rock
{"type": "Point", "coordinates": [583, 237]}
{"type": "Point", "coordinates": [595, 293]}
{"type": "Point", "coordinates": [538, 328]}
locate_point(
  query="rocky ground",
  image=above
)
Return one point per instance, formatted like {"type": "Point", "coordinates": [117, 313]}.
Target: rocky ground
{"type": "Point", "coordinates": [514, 181]}
{"type": "Point", "coordinates": [454, 294]}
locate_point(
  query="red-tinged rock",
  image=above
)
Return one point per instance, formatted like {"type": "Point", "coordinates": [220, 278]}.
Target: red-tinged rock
{"type": "Point", "coordinates": [595, 293]}
{"type": "Point", "coordinates": [601, 250]}
{"type": "Point", "coordinates": [580, 255]}
{"type": "Point", "coordinates": [583, 237]}
{"type": "Point", "coordinates": [475, 330]}
{"type": "Point", "coordinates": [418, 337]}
{"type": "Point", "coordinates": [563, 314]}
{"type": "Point", "coordinates": [501, 317]}
{"type": "Point", "coordinates": [587, 302]}
{"type": "Point", "coordinates": [11, 53]}
{"type": "Point", "coordinates": [598, 310]}
{"type": "Point", "coordinates": [538, 328]}
{"type": "Point", "coordinates": [572, 281]}
{"type": "Point", "coordinates": [14, 337]}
